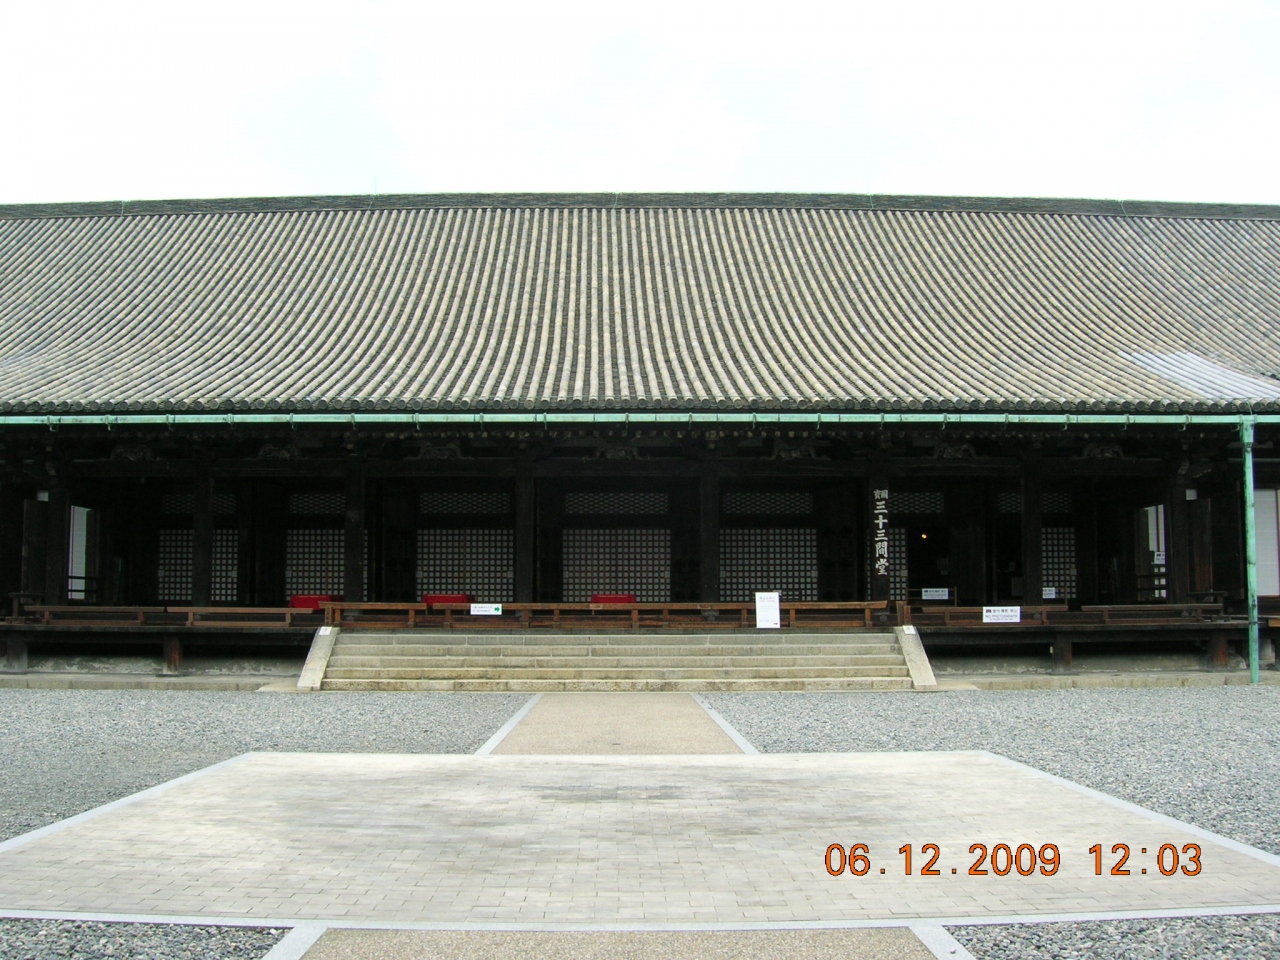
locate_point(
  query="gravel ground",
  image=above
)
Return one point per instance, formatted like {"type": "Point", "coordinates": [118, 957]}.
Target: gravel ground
{"type": "Point", "coordinates": [66, 751]}
{"type": "Point", "coordinates": [47, 939]}
{"type": "Point", "coordinates": [1204, 937]}
{"type": "Point", "coordinates": [1209, 756]}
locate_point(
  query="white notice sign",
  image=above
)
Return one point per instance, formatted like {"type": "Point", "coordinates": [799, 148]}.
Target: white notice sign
{"type": "Point", "coordinates": [935, 593]}
{"type": "Point", "coordinates": [1001, 614]}
{"type": "Point", "coordinates": [1049, 593]}
{"type": "Point", "coordinates": [486, 609]}
{"type": "Point", "coordinates": [768, 610]}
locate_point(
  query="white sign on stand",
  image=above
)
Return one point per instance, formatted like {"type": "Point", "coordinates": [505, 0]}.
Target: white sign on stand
{"type": "Point", "coordinates": [1001, 614]}
{"type": "Point", "coordinates": [1049, 593]}
{"type": "Point", "coordinates": [935, 593]}
{"type": "Point", "coordinates": [486, 609]}
{"type": "Point", "coordinates": [769, 610]}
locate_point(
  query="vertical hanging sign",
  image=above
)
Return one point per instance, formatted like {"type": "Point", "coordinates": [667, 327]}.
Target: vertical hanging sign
{"type": "Point", "coordinates": [879, 544]}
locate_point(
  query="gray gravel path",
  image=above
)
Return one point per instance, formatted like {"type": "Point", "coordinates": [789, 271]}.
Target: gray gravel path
{"type": "Point", "coordinates": [1204, 937]}
{"type": "Point", "coordinates": [66, 751]}
{"type": "Point", "coordinates": [47, 939]}
{"type": "Point", "coordinates": [1209, 756]}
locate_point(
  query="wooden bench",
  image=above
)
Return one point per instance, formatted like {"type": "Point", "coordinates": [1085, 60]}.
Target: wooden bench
{"type": "Point", "coordinates": [625, 616]}
{"type": "Point", "coordinates": [1062, 627]}
{"type": "Point", "coordinates": [54, 622]}
{"type": "Point", "coordinates": [93, 616]}
{"type": "Point", "coordinates": [249, 617]}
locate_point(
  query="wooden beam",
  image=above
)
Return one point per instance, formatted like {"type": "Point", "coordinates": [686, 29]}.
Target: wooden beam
{"type": "Point", "coordinates": [172, 655]}
{"type": "Point", "coordinates": [1063, 655]}
{"type": "Point", "coordinates": [967, 553]}
{"type": "Point", "coordinates": [202, 541]}
{"type": "Point", "coordinates": [526, 533]}
{"type": "Point", "coordinates": [35, 545]}
{"type": "Point", "coordinates": [1084, 504]}
{"type": "Point", "coordinates": [709, 533]}
{"type": "Point", "coordinates": [15, 660]}
{"type": "Point", "coordinates": [354, 544]}
{"type": "Point", "coordinates": [1032, 527]}
{"type": "Point", "coordinates": [55, 589]}
{"type": "Point", "coordinates": [1177, 542]}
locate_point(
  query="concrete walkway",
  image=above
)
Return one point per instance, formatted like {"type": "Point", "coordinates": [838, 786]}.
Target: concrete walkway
{"type": "Point", "coordinates": [617, 723]}
{"type": "Point", "coordinates": [658, 851]}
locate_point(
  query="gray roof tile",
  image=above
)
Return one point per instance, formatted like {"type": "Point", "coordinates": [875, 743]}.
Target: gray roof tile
{"type": "Point", "coordinates": [730, 302]}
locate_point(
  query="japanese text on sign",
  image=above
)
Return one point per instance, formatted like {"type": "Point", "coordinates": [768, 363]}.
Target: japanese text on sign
{"type": "Point", "coordinates": [880, 538]}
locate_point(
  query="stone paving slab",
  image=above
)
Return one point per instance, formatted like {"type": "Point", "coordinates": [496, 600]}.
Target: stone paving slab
{"type": "Point", "coordinates": [617, 723]}
{"type": "Point", "coordinates": [708, 839]}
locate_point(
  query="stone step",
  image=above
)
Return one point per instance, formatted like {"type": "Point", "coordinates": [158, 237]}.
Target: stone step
{"type": "Point", "coordinates": [689, 672]}
{"type": "Point", "coordinates": [427, 638]}
{"type": "Point", "coordinates": [343, 649]}
{"type": "Point", "coordinates": [515, 663]}
{"type": "Point", "coordinates": [523, 685]}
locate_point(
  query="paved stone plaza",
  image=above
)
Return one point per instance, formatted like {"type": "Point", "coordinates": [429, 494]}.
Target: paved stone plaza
{"type": "Point", "coordinates": [640, 840]}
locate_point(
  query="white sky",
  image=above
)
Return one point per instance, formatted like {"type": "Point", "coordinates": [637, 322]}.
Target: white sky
{"type": "Point", "coordinates": [1156, 100]}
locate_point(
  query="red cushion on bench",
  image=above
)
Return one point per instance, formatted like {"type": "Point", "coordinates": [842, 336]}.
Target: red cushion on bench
{"type": "Point", "coordinates": [431, 599]}
{"type": "Point", "coordinates": [312, 601]}
{"type": "Point", "coordinates": [613, 598]}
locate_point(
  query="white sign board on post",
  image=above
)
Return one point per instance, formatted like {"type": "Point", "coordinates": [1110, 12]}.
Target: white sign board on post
{"type": "Point", "coordinates": [486, 609]}
{"type": "Point", "coordinates": [769, 610]}
{"type": "Point", "coordinates": [1049, 593]}
{"type": "Point", "coordinates": [1001, 614]}
{"type": "Point", "coordinates": [935, 593]}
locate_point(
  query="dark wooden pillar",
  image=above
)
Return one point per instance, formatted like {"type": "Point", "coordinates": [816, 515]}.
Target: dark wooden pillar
{"type": "Point", "coordinates": [967, 554]}
{"type": "Point", "coordinates": [526, 533]}
{"type": "Point", "coordinates": [35, 546]}
{"type": "Point", "coordinates": [878, 531]}
{"type": "Point", "coordinates": [10, 540]}
{"type": "Point", "coordinates": [1032, 524]}
{"type": "Point", "coordinates": [1062, 654]}
{"type": "Point", "coordinates": [1084, 504]}
{"type": "Point", "coordinates": [400, 543]}
{"type": "Point", "coordinates": [245, 545]}
{"type": "Point", "coordinates": [270, 522]}
{"type": "Point", "coordinates": [202, 539]}
{"type": "Point", "coordinates": [172, 654]}
{"type": "Point", "coordinates": [55, 589]}
{"type": "Point", "coordinates": [549, 579]}
{"type": "Point", "coordinates": [1177, 542]}
{"type": "Point", "coordinates": [354, 548]}
{"type": "Point", "coordinates": [709, 534]}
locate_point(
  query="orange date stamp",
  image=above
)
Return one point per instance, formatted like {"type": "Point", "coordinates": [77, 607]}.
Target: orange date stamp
{"type": "Point", "coordinates": [1020, 860]}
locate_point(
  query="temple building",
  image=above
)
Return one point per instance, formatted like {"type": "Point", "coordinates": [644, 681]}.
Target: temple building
{"type": "Point", "coordinates": [684, 398]}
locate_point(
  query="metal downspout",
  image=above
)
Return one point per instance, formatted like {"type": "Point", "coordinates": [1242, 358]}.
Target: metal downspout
{"type": "Point", "coordinates": [1250, 547]}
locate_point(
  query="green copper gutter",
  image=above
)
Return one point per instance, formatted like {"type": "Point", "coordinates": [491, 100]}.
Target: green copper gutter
{"type": "Point", "coordinates": [1250, 546]}
{"type": "Point", "coordinates": [641, 417]}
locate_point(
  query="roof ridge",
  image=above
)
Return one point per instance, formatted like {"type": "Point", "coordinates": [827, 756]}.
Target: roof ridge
{"type": "Point", "coordinates": [703, 201]}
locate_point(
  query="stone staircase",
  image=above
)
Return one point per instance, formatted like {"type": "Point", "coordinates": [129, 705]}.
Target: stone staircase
{"type": "Point", "coordinates": [434, 660]}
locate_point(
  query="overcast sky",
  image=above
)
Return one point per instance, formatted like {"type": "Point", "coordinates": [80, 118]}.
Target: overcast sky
{"type": "Point", "coordinates": [1162, 100]}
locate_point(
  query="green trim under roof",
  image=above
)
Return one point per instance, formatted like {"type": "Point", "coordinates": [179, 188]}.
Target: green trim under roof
{"type": "Point", "coordinates": [498, 418]}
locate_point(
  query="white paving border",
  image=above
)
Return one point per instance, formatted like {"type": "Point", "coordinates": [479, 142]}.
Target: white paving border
{"type": "Point", "coordinates": [491, 744]}
{"type": "Point", "coordinates": [743, 743]}
{"type": "Point", "coordinates": [637, 927]}
{"type": "Point", "coordinates": [294, 944]}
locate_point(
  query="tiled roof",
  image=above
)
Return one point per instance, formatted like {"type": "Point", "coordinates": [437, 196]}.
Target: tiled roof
{"type": "Point", "coordinates": [633, 302]}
